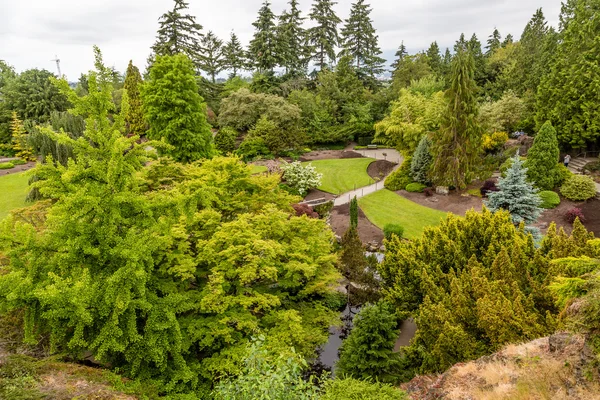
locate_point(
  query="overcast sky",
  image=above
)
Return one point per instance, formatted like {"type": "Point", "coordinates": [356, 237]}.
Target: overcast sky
{"type": "Point", "coordinates": [32, 32]}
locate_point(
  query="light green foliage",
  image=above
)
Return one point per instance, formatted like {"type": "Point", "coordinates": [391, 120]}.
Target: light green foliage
{"type": "Point", "coordinates": [384, 207]}
{"type": "Point", "coordinates": [323, 37]}
{"type": "Point", "coordinates": [399, 179]}
{"type": "Point", "coordinates": [134, 119]}
{"type": "Point", "coordinates": [253, 148]}
{"type": "Point", "coordinates": [578, 188]}
{"type": "Point", "coordinates": [457, 145]}
{"type": "Point", "coordinates": [412, 116]}
{"type": "Point", "coordinates": [225, 140]}
{"type": "Point", "coordinates": [315, 117]}
{"type": "Point", "coordinates": [354, 389]}
{"type": "Point", "coordinates": [421, 161]}
{"type": "Point", "coordinates": [343, 175]}
{"type": "Point", "coordinates": [301, 177]}
{"type": "Point", "coordinates": [542, 159]}
{"type": "Point", "coordinates": [275, 137]}
{"type": "Point", "coordinates": [494, 142]}
{"type": "Point", "coordinates": [21, 146]}
{"type": "Point", "coordinates": [175, 112]}
{"type": "Point", "coordinates": [368, 352]}
{"type": "Point", "coordinates": [354, 212]}
{"type": "Point", "coordinates": [415, 187]}
{"type": "Point", "coordinates": [516, 195]}
{"type": "Point", "coordinates": [549, 199]}
{"type": "Point", "coordinates": [6, 165]}
{"type": "Point", "coordinates": [163, 271]}
{"type": "Point", "coordinates": [232, 85]}
{"type": "Point", "coordinates": [428, 85]}
{"type": "Point", "coordinates": [503, 115]}
{"type": "Point", "coordinates": [391, 230]}
{"type": "Point", "coordinates": [263, 46]}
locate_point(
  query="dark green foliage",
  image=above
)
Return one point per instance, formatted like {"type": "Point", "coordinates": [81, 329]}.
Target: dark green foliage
{"type": "Point", "coordinates": [175, 112]}
{"type": "Point", "coordinates": [276, 138]}
{"type": "Point", "coordinates": [410, 68]}
{"type": "Point", "coordinates": [542, 159]}
{"type": "Point", "coordinates": [225, 140]}
{"type": "Point", "coordinates": [400, 54]}
{"type": "Point", "coordinates": [354, 212]}
{"type": "Point", "coordinates": [578, 188]}
{"type": "Point", "coordinates": [421, 161]}
{"type": "Point", "coordinates": [493, 42]}
{"type": "Point", "coordinates": [252, 148]}
{"type": "Point", "coordinates": [234, 55]}
{"type": "Point", "coordinates": [391, 230]}
{"type": "Point", "coordinates": [434, 58]}
{"type": "Point", "coordinates": [399, 179]}
{"type": "Point", "coordinates": [368, 352]}
{"type": "Point", "coordinates": [415, 187]}
{"type": "Point", "coordinates": [361, 283]}
{"type": "Point", "coordinates": [263, 47]}
{"type": "Point", "coordinates": [211, 58]}
{"type": "Point", "coordinates": [323, 37]}
{"type": "Point", "coordinates": [549, 199]}
{"type": "Point", "coordinates": [7, 74]}
{"type": "Point", "coordinates": [44, 145]}
{"type": "Point", "coordinates": [292, 41]}
{"type": "Point", "coordinates": [134, 117]}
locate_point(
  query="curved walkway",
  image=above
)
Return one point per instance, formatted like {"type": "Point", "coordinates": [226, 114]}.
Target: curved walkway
{"type": "Point", "coordinates": [378, 154]}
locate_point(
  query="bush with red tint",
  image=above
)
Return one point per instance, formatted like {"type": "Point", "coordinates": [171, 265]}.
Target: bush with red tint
{"type": "Point", "coordinates": [488, 186]}
{"type": "Point", "coordinates": [305, 209]}
{"type": "Point", "coordinates": [574, 213]}
{"type": "Point", "coordinates": [428, 192]}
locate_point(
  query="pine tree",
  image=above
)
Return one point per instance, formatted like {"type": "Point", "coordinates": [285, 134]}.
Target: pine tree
{"type": "Point", "coordinates": [516, 195]}
{"type": "Point", "coordinates": [135, 124]}
{"type": "Point", "coordinates": [178, 33]}
{"type": "Point", "coordinates": [508, 40]}
{"type": "Point", "coordinates": [175, 111]}
{"type": "Point", "coordinates": [456, 148]}
{"type": "Point", "coordinates": [354, 212]}
{"type": "Point", "coordinates": [480, 64]}
{"type": "Point", "coordinates": [493, 42]}
{"type": "Point", "coordinates": [434, 58]}
{"type": "Point", "coordinates": [400, 54]}
{"type": "Point", "coordinates": [263, 47]}
{"type": "Point", "coordinates": [21, 147]}
{"type": "Point", "coordinates": [324, 36]}
{"type": "Point", "coordinates": [360, 42]}
{"type": "Point", "coordinates": [368, 352]}
{"type": "Point", "coordinates": [234, 55]}
{"type": "Point", "coordinates": [292, 41]}
{"type": "Point", "coordinates": [542, 159]}
{"type": "Point", "coordinates": [461, 44]}
{"type": "Point", "coordinates": [421, 161]}
{"type": "Point", "coordinates": [211, 59]}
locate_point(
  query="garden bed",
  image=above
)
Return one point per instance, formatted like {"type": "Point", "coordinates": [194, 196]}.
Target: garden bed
{"type": "Point", "coordinates": [455, 202]}
{"type": "Point", "coordinates": [315, 194]}
{"type": "Point", "coordinates": [340, 222]}
{"type": "Point", "coordinates": [17, 169]}
{"type": "Point", "coordinates": [329, 155]}
{"type": "Point", "coordinates": [380, 169]}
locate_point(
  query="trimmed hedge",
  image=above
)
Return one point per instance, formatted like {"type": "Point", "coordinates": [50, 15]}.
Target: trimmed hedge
{"type": "Point", "coordinates": [18, 162]}
{"type": "Point", "coordinates": [6, 165]}
{"type": "Point", "coordinates": [549, 198]}
{"type": "Point", "coordinates": [415, 187]}
{"type": "Point", "coordinates": [579, 188]}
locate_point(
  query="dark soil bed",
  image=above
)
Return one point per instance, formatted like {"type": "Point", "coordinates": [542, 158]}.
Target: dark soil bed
{"type": "Point", "coordinates": [591, 212]}
{"type": "Point", "coordinates": [454, 202]}
{"type": "Point", "coordinates": [17, 168]}
{"type": "Point", "coordinates": [340, 222]}
{"type": "Point", "coordinates": [315, 194]}
{"type": "Point", "coordinates": [329, 154]}
{"type": "Point", "coordinates": [380, 169]}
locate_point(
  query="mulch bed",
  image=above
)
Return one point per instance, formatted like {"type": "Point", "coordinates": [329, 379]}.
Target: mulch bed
{"type": "Point", "coordinates": [379, 169]}
{"type": "Point", "coordinates": [17, 168]}
{"type": "Point", "coordinates": [315, 194]}
{"type": "Point", "coordinates": [329, 155]}
{"type": "Point", "coordinates": [591, 212]}
{"type": "Point", "coordinates": [340, 222]}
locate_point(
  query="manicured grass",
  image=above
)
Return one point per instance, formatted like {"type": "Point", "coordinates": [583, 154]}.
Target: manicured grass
{"type": "Point", "coordinates": [13, 189]}
{"type": "Point", "coordinates": [258, 169]}
{"type": "Point", "coordinates": [343, 175]}
{"type": "Point", "coordinates": [385, 207]}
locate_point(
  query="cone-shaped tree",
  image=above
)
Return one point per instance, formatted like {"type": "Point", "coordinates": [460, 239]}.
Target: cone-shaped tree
{"type": "Point", "coordinates": [493, 42]}
{"type": "Point", "coordinates": [135, 124]}
{"type": "Point", "coordinates": [542, 159]}
{"type": "Point", "coordinates": [457, 146]}
{"type": "Point", "coordinates": [434, 58]}
{"type": "Point", "coordinates": [211, 59]}
{"type": "Point", "coordinates": [324, 36]}
{"type": "Point", "coordinates": [421, 161]}
{"type": "Point", "coordinates": [263, 47]}
{"type": "Point", "coordinates": [21, 148]}
{"type": "Point", "coordinates": [516, 195]}
{"type": "Point", "coordinates": [235, 58]}
{"type": "Point", "coordinates": [292, 41]}
{"type": "Point", "coordinates": [175, 111]}
{"type": "Point", "coordinates": [354, 212]}
{"type": "Point", "coordinates": [400, 54]}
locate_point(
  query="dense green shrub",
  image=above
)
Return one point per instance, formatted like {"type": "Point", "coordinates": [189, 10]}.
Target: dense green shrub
{"type": "Point", "coordinates": [276, 137]}
{"type": "Point", "coordinates": [252, 148]}
{"type": "Point", "coordinates": [391, 230]}
{"type": "Point", "coordinates": [549, 198]}
{"type": "Point", "coordinates": [225, 140]}
{"type": "Point", "coordinates": [421, 161]}
{"type": "Point", "coordinates": [19, 162]}
{"type": "Point", "coordinates": [401, 177]}
{"type": "Point", "coordinates": [6, 165]}
{"type": "Point", "coordinates": [542, 159]}
{"type": "Point", "coordinates": [354, 389]}
{"type": "Point", "coordinates": [324, 209]}
{"type": "Point", "coordinates": [415, 187]}
{"type": "Point", "coordinates": [578, 188]}
{"type": "Point", "coordinates": [563, 174]}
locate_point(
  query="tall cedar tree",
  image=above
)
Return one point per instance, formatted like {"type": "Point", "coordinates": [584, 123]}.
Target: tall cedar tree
{"type": "Point", "coordinates": [456, 148]}
{"type": "Point", "coordinates": [234, 55]}
{"type": "Point", "coordinates": [178, 33]}
{"type": "Point", "coordinates": [434, 58]}
{"type": "Point", "coordinates": [21, 147]}
{"type": "Point", "coordinates": [324, 36]}
{"type": "Point", "coordinates": [493, 43]}
{"type": "Point", "coordinates": [175, 111]}
{"type": "Point", "coordinates": [542, 159]}
{"type": "Point", "coordinates": [480, 63]}
{"type": "Point", "coordinates": [211, 59]}
{"type": "Point", "coordinates": [135, 124]}
{"type": "Point", "coordinates": [360, 42]}
{"type": "Point", "coordinates": [528, 71]}
{"type": "Point", "coordinates": [568, 95]}
{"type": "Point", "coordinates": [263, 47]}
{"type": "Point", "coordinates": [292, 41]}
{"type": "Point", "coordinates": [508, 40]}
{"type": "Point", "coordinates": [400, 54]}
{"type": "Point", "coordinates": [516, 195]}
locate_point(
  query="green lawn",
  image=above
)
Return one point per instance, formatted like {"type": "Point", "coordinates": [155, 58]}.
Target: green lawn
{"type": "Point", "coordinates": [14, 189]}
{"type": "Point", "coordinates": [258, 169]}
{"type": "Point", "coordinates": [385, 207]}
{"type": "Point", "coordinates": [340, 176]}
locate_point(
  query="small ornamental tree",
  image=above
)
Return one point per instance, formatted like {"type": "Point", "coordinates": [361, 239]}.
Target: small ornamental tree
{"type": "Point", "coordinates": [516, 195]}
{"type": "Point", "coordinates": [225, 140]}
{"type": "Point", "coordinates": [421, 161]}
{"type": "Point", "coordinates": [354, 212]}
{"type": "Point", "coordinates": [135, 123]}
{"type": "Point", "coordinates": [542, 159]}
{"type": "Point", "coordinates": [301, 177]}
{"type": "Point", "coordinates": [369, 350]}
{"type": "Point", "coordinates": [21, 148]}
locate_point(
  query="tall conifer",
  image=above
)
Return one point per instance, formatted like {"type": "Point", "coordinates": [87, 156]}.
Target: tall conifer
{"type": "Point", "coordinates": [211, 58]}
{"type": "Point", "coordinates": [263, 47]}
{"type": "Point", "coordinates": [234, 55]}
{"type": "Point", "coordinates": [292, 40]}
{"type": "Point", "coordinates": [324, 36]}
{"type": "Point", "coordinates": [400, 54]}
{"type": "Point", "coordinates": [135, 124]}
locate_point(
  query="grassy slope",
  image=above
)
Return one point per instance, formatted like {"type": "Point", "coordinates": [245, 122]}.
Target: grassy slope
{"type": "Point", "coordinates": [340, 176]}
{"type": "Point", "coordinates": [14, 189]}
{"type": "Point", "coordinates": [385, 207]}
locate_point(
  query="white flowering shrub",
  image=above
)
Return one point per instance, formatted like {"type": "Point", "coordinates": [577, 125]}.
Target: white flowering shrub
{"type": "Point", "coordinates": [301, 177]}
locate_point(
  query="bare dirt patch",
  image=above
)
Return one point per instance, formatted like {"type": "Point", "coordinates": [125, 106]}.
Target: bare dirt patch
{"type": "Point", "coordinates": [340, 222]}
{"type": "Point", "coordinates": [455, 203]}
{"type": "Point", "coordinates": [17, 168]}
{"type": "Point", "coordinates": [316, 194]}
{"type": "Point", "coordinates": [329, 155]}
{"type": "Point", "coordinates": [380, 169]}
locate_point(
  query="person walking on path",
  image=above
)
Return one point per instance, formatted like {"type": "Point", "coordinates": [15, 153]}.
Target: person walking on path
{"type": "Point", "coordinates": [567, 160]}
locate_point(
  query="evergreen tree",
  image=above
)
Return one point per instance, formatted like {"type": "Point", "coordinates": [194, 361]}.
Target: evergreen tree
{"type": "Point", "coordinates": [21, 147]}
{"type": "Point", "coordinates": [360, 42]}
{"type": "Point", "coordinates": [354, 212]}
{"type": "Point", "coordinates": [368, 352]}
{"type": "Point", "coordinates": [135, 124]}
{"type": "Point", "coordinates": [400, 54]}
{"type": "Point", "coordinates": [362, 285]}
{"type": "Point", "coordinates": [234, 55]}
{"type": "Point", "coordinates": [324, 36]}
{"type": "Point", "coordinates": [434, 58]}
{"type": "Point", "coordinates": [516, 195]}
{"type": "Point", "coordinates": [421, 161]}
{"type": "Point", "coordinates": [542, 165]}
{"type": "Point", "coordinates": [456, 147]}
{"type": "Point", "coordinates": [508, 40]}
{"type": "Point", "coordinates": [263, 47]}
{"type": "Point", "coordinates": [178, 33]}
{"type": "Point", "coordinates": [225, 140]}
{"type": "Point", "coordinates": [479, 61]}
{"type": "Point", "coordinates": [447, 65]}
{"type": "Point", "coordinates": [211, 58]}
{"type": "Point", "coordinates": [292, 41]}
{"type": "Point", "coordinates": [493, 42]}
{"type": "Point", "coordinates": [461, 44]}
{"type": "Point", "coordinates": [175, 111]}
